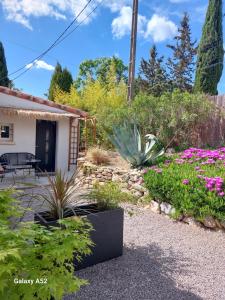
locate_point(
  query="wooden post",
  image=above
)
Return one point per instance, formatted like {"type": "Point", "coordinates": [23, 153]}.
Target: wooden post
{"type": "Point", "coordinates": [94, 130]}
{"type": "Point", "coordinates": [133, 44]}
{"type": "Point", "coordinates": [86, 135]}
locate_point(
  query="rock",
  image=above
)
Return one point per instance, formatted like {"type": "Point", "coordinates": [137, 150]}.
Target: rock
{"type": "Point", "coordinates": [138, 187]}
{"type": "Point", "coordinates": [154, 206]}
{"type": "Point", "coordinates": [147, 207]}
{"type": "Point", "coordinates": [166, 208]}
{"type": "Point", "coordinates": [138, 194]}
{"type": "Point", "coordinates": [191, 221]}
{"type": "Point", "coordinates": [116, 178]}
{"type": "Point", "coordinates": [130, 183]}
{"type": "Point", "coordinates": [218, 224]}
{"type": "Point", "coordinates": [222, 223]}
{"type": "Point", "coordinates": [209, 222]}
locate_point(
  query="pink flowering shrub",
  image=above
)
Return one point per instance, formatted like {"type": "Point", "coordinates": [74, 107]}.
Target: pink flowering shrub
{"type": "Point", "coordinates": [193, 182]}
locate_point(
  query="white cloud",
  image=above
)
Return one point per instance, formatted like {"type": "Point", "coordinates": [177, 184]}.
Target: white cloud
{"type": "Point", "coordinates": [40, 64]}
{"type": "Point", "coordinates": [160, 28]}
{"type": "Point", "coordinates": [21, 11]}
{"type": "Point", "coordinates": [121, 25]}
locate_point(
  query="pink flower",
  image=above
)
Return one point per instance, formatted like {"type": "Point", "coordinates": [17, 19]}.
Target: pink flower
{"type": "Point", "coordinates": [186, 181]}
{"type": "Point", "coordinates": [221, 194]}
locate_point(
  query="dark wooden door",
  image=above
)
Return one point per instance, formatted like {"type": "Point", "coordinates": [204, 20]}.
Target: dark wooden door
{"type": "Point", "coordinates": [46, 144]}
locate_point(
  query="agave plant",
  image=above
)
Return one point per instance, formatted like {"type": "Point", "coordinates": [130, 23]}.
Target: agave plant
{"type": "Point", "coordinates": [127, 140]}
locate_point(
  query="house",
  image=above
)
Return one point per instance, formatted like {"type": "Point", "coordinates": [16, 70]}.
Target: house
{"type": "Point", "coordinates": [48, 130]}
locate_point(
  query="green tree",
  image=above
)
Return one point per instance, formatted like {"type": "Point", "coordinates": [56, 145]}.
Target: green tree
{"type": "Point", "coordinates": [152, 76]}
{"type": "Point", "coordinates": [181, 65]}
{"type": "Point", "coordinates": [98, 69]}
{"type": "Point", "coordinates": [210, 51]}
{"type": "Point", "coordinates": [61, 78]}
{"type": "Point", "coordinates": [4, 80]}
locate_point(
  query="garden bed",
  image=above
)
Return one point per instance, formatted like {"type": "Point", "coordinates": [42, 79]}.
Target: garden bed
{"type": "Point", "coordinates": [193, 183]}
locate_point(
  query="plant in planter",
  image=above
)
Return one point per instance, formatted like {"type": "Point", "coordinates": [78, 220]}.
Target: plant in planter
{"type": "Point", "coordinates": [37, 263]}
{"type": "Point", "coordinates": [106, 220]}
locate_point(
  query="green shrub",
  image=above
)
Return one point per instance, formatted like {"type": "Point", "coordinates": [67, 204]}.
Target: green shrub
{"type": "Point", "coordinates": [174, 118]}
{"type": "Point", "coordinates": [109, 195]}
{"type": "Point", "coordinates": [184, 186]}
{"type": "Point", "coordinates": [32, 252]}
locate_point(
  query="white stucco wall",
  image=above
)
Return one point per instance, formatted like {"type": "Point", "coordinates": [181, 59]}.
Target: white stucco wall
{"type": "Point", "coordinates": [62, 144]}
{"type": "Point", "coordinates": [24, 135]}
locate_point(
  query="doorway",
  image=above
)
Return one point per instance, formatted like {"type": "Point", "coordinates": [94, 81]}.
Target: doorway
{"type": "Point", "coordinates": [46, 144]}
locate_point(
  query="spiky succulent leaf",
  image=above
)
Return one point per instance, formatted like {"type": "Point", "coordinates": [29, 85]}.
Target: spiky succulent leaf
{"type": "Point", "coordinates": [127, 140]}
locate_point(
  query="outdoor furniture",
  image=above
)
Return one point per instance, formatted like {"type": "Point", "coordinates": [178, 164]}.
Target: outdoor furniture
{"type": "Point", "coordinates": [11, 162]}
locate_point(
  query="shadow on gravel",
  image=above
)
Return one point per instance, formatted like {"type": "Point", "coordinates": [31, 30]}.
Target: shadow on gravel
{"type": "Point", "coordinates": [142, 273]}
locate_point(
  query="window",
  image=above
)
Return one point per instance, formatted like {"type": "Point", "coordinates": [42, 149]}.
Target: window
{"type": "Point", "coordinates": [6, 132]}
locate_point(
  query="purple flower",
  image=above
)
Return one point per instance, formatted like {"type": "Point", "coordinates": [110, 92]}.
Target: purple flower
{"type": "Point", "coordinates": [221, 194]}
{"type": "Point", "coordinates": [186, 181]}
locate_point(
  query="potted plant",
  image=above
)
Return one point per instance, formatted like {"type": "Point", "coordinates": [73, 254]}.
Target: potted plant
{"type": "Point", "coordinates": [100, 207]}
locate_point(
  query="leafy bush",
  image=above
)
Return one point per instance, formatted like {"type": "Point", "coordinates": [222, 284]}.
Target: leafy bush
{"type": "Point", "coordinates": [109, 195]}
{"type": "Point", "coordinates": [176, 119]}
{"type": "Point", "coordinates": [128, 142]}
{"type": "Point", "coordinates": [98, 156]}
{"type": "Point", "coordinates": [31, 252]}
{"type": "Point", "coordinates": [194, 183]}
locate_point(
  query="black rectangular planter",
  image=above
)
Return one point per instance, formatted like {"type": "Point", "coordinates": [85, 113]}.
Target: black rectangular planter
{"type": "Point", "coordinates": [107, 235]}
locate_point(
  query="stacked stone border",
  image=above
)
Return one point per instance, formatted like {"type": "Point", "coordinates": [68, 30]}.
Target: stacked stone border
{"type": "Point", "coordinates": [131, 181]}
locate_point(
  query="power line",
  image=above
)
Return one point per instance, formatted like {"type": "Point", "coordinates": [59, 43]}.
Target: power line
{"type": "Point", "coordinates": [51, 46]}
{"type": "Point", "coordinates": [58, 42]}
{"type": "Point", "coordinates": [26, 47]}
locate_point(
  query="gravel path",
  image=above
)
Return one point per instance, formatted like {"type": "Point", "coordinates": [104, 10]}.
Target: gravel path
{"type": "Point", "coordinates": [162, 260]}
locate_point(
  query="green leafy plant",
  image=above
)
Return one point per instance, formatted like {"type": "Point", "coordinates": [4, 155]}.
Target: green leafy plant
{"type": "Point", "coordinates": [41, 256]}
{"type": "Point", "coordinates": [60, 194]}
{"type": "Point", "coordinates": [127, 140]}
{"type": "Point", "coordinates": [109, 196]}
{"type": "Point", "coordinates": [183, 185]}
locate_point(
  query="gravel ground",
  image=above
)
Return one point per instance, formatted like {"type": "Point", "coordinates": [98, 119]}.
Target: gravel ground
{"type": "Point", "coordinates": [162, 259]}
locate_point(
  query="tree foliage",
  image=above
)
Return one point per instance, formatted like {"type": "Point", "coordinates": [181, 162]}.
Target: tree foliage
{"type": "Point", "coordinates": [173, 117]}
{"type": "Point", "coordinates": [98, 69]}
{"type": "Point", "coordinates": [210, 51]}
{"type": "Point", "coordinates": [31, 252]}
{"type": "Point", "coordinates": [181, 65]}
{"type": "Point", "coordinates": [4, 80]}
{"type": "Point", "coordinates": [153, 77]}
{"type": "Point", "coordinates": [98, 99]}
{"type": "Point", "coordinates": [61, 78]}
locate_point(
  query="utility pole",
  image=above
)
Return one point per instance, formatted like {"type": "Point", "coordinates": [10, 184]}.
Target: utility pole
{"type": "Point", "coordinates": [132, 52]}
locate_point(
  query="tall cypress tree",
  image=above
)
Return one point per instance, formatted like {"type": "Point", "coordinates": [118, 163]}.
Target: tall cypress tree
{"type": "Point", "coordinates": [4, 80]}
{"type": "Point", "coordinates": [152, 75]}
{"type": "Point", "coordinates": [210, 51]}
{"type": "Point", "coordinates": [181, 65]}
{"type": "Point", "coordinates": [61, 78]}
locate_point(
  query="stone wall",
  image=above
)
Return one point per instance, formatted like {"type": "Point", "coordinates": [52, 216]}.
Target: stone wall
{"type": "Point", "coordinates": [131, 181]}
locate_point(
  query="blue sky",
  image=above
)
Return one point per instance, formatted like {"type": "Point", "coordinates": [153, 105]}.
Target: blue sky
{"type": "Point", "coordinates": [30, 26]}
